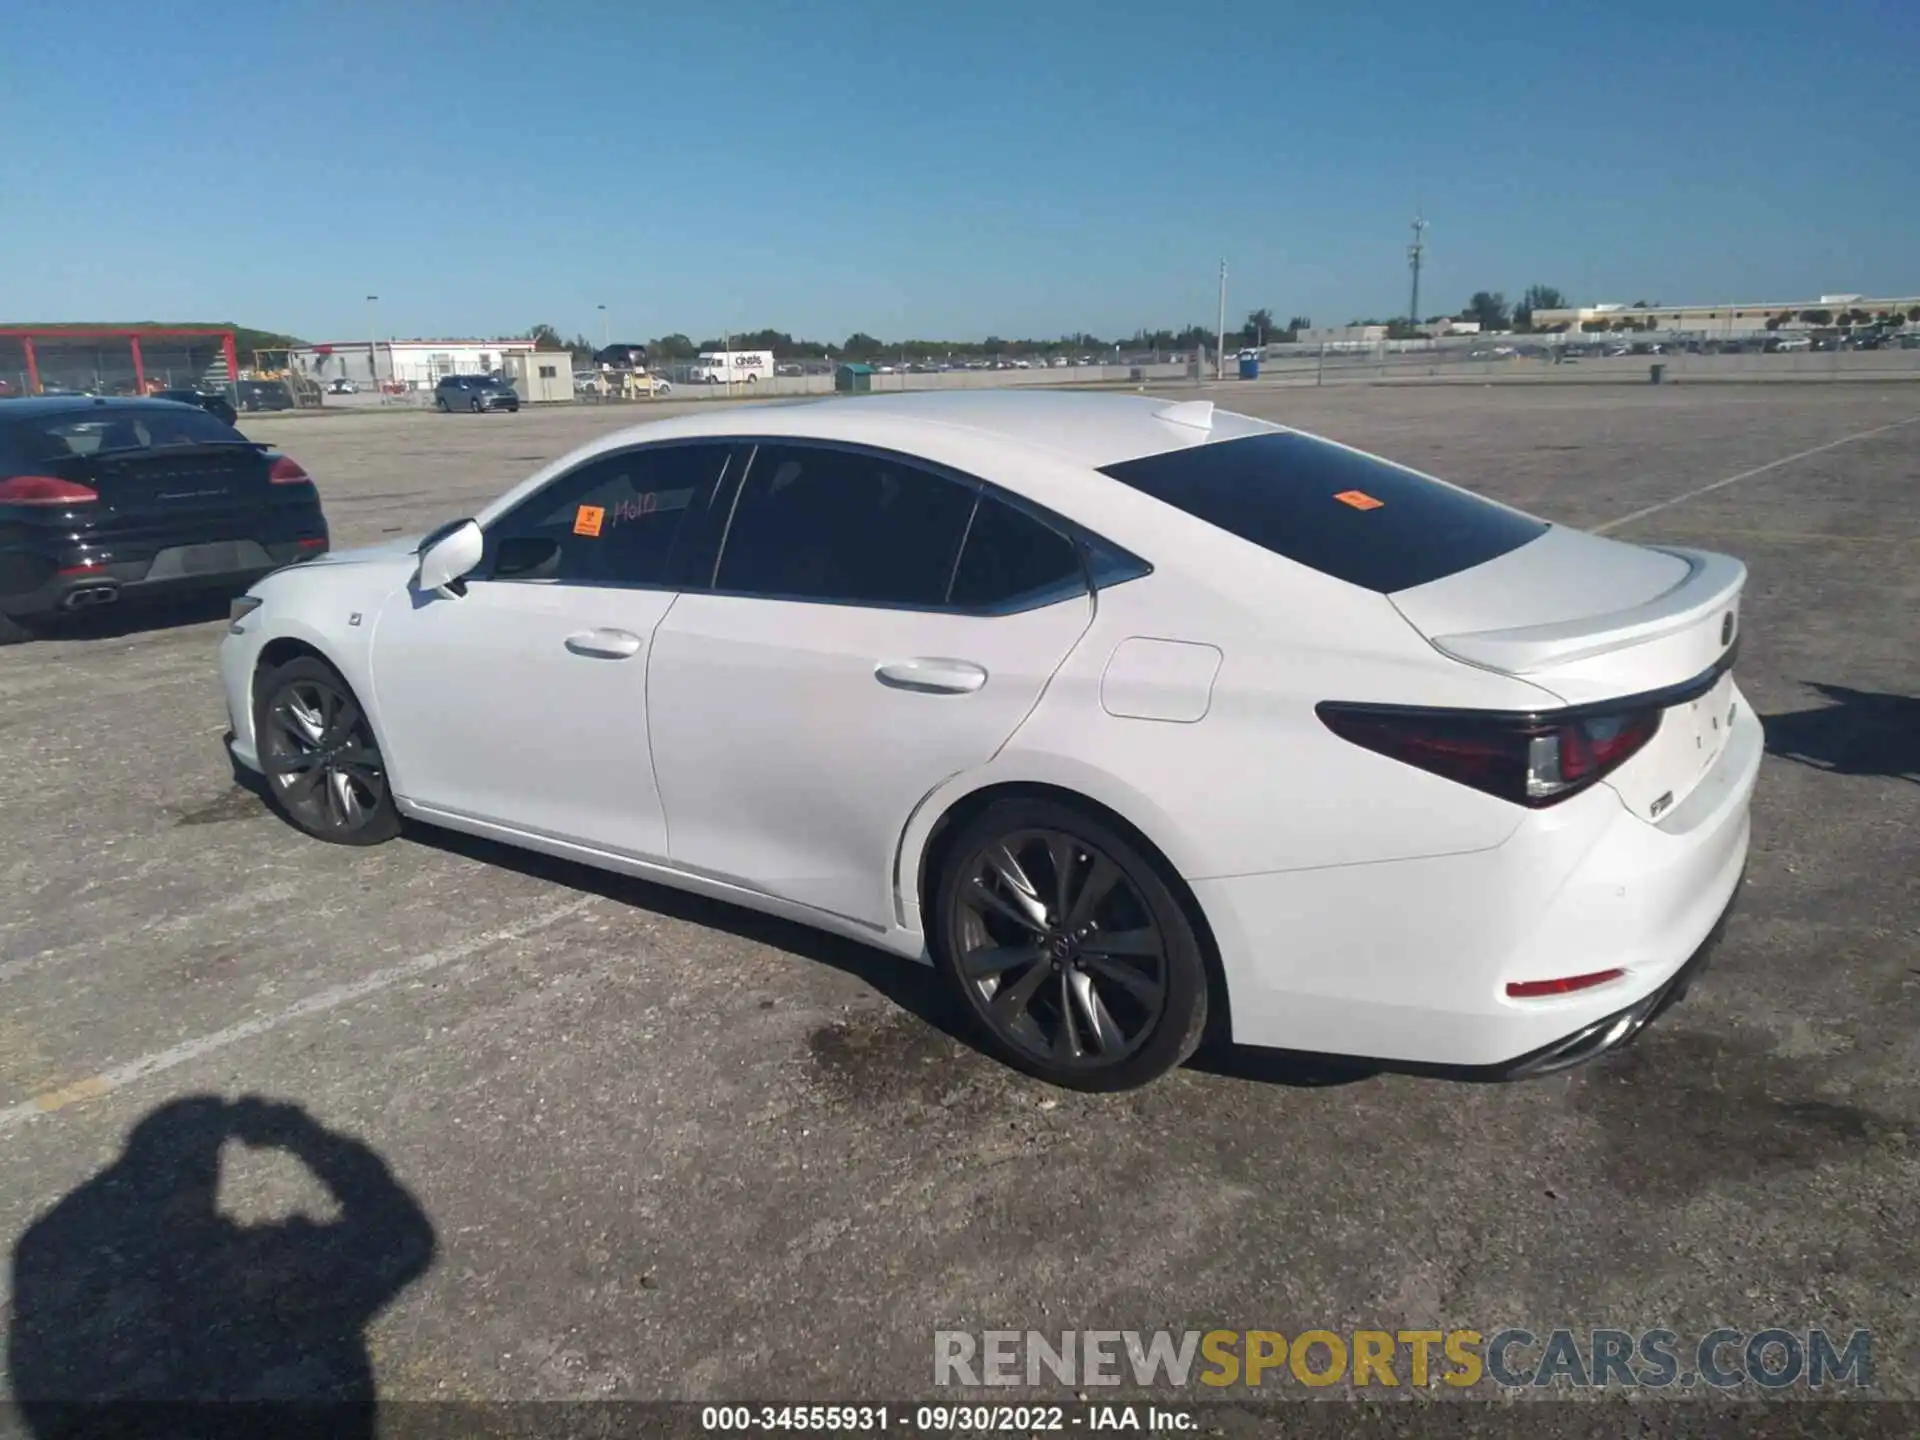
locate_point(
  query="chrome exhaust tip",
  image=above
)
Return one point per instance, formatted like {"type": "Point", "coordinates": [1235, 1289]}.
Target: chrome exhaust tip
{"type": "Point", "coordinates": [88, 596]}
{"type": "Point", "coordinates": [1588, 1044]}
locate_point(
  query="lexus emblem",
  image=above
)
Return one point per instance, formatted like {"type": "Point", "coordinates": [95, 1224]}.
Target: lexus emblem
{"type": "Point", "coordinates": [1726, 628]}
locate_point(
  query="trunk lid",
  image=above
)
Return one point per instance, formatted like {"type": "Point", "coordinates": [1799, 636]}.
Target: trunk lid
{"type": "Point", "coordinates": [1590, 620]}
{"type": "Point", "coordinates": [179, 480]}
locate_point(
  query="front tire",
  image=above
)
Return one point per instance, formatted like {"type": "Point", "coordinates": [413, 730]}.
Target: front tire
{"type": "Point", "coordinates": [440, 404]}
{"type": "Point", "coordinates": [321, 759]}
{"type": "Point", "coordinates": [1067, 948]}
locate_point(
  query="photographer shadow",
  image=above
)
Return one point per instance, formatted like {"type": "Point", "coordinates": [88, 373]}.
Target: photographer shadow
{"type": "Point", "coordinates": [140, 1310]}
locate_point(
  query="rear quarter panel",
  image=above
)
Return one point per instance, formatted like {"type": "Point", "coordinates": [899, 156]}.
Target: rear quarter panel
{"type": "Point", "coordinates": [1257, 783]}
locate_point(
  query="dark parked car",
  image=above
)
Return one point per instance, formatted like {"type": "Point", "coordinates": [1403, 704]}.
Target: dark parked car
{"type": "Point", "coordinates": [109, 501]}
{"type": "Point", "coordinates": [476, 393]}
{"type": "Point", "coordinates": [217, 406]}
{"type": "Point", "coordinates": [264, 395]}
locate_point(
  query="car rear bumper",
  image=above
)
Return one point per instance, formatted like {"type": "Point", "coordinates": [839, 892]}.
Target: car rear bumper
{"type": "Point", "coordinates": [55, 580]}
{"type": "Point", "coordinates": [1406, 963]}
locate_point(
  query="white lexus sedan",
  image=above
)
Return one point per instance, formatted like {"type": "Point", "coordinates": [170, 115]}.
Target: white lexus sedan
{"type": "Point", "coordinates": [1141, 721]}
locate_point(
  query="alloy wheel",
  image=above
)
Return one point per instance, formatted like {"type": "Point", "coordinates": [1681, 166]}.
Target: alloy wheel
{"type": "Point", "coordinates": [1058, 949]}
{"type": "Point", "coordinates": [320, 756]}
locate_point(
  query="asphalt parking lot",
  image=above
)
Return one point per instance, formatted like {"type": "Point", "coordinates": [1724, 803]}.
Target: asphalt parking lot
{"type": "Point", "coordinates": [657, 1147]}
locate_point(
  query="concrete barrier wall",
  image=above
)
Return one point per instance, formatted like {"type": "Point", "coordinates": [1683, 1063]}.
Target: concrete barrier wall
{"type": "Point", "coordinates": [791, 385]}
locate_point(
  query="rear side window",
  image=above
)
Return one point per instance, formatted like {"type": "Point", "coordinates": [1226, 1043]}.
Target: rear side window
{"type": "Point", "coordinates": [848, 527]}
{"type": "Point", "coordinates": [1357, 518]}
{"type": "Point", "coordinates": [1012, 561]}
{"type": "Point", "coordinates": [107, 432]}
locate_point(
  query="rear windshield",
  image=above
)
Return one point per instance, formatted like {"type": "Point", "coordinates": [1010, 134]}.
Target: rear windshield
{"type": "Point", "coordinates": [1352, 516]}
{"type": "Point", "coordinates": [106, 431]}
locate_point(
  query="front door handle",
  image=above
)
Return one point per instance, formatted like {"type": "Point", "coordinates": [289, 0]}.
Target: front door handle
{"type": "Point", "coordinates": [932, 676]}
{"type": "Point", "coordinates": [604, 644]}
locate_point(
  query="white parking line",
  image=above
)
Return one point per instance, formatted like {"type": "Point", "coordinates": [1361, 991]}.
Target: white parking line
{"type": "Point", "coordinates": [121, 1076]}
{"type": "Point", "coordinates": [1645, 511]}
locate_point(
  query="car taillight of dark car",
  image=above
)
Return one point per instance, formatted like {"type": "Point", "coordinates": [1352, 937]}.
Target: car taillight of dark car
{"type": "Point", "coordinates": [1529, 760]}
{"type": "Point", "coordinates": [48, 490]}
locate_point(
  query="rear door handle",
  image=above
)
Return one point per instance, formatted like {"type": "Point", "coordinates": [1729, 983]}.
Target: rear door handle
{"type": "Point", "coordinates": [932, 676]}
{"type": "Point", "coordinates": [604, 644]}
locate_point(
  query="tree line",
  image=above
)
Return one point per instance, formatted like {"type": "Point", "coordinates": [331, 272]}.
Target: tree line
{"type": "Point", "coordinates": [1259, 328]}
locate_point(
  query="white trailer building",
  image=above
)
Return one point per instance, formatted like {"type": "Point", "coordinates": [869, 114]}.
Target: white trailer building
{"type": "Point", "coordinates": [415, 364]}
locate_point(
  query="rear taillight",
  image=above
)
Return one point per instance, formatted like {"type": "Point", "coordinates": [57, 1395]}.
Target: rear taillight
{"type": "Point", "coordinates": [44, 490]}
{"type": "Point", "coordinates": [1529, 760]}
{"type": "Point", "coordinates": [287, 471]}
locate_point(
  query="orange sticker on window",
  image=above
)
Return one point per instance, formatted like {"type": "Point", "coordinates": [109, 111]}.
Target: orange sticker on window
{"type": "Point", "coordinates": [1359, 500]}
{"type": "Point", "coordinates": [587, 519]}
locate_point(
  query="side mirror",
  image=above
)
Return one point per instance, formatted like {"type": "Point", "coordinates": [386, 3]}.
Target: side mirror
{"type": "Point", "coordinates": [448, 556]}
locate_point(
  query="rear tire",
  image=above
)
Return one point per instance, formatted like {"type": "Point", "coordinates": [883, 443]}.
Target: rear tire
{"type": "Point", "coordinates": [1067, 948]}
{"type": "Point", "coordinates": [13, 632]}
{"type": "Point", "coordinates": [323, 768]}
{"type": "Point", "coordinates": [440, 404]}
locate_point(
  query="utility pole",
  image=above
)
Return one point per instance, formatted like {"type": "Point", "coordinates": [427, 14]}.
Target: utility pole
{"type": "Point", "coordinates": [1220, 352]}
{"type": "Point", "coordinates": [605, 338]}
{"type": "Point", "coordinates": [373, 344]}
{"type": "Point", "coordinates": [1414, 253]}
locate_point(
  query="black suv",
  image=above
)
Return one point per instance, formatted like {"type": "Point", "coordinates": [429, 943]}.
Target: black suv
{"type": "Point", "coordinates": [217, 406]}
{"type": "Point", "coordinates": [109, 501]}
{"type": "Point", "coordinates": [477, 393]}
{"type": "Point", "coordinates": [264, 395]}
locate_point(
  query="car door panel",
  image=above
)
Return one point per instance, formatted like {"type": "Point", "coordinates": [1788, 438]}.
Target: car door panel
{"type": "Point", "coordinates": [493, 712]}
{"type": "Point", "coordinates": [856, 648]}
{"type": "Point", "coordinates": [523, 700]}
{"type": "Point", "coordinates": [789, 763]}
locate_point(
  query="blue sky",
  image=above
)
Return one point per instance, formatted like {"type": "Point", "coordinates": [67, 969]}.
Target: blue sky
{"type": "Point", "coordinates": [939, 167]}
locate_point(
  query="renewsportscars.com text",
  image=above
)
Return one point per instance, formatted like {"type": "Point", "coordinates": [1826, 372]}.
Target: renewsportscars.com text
{"type": "Point", "coordinates": [1512, 1358]}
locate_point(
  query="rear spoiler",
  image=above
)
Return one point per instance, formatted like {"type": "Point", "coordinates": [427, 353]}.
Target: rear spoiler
{"type": "Point", "coordinates": [1712, 582]}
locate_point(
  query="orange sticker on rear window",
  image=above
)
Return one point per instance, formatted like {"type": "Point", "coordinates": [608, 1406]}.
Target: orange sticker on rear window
{"type": "Point", "coordinates": [1359, 500]}
{"type": "Point", "coordinates": [587, 519]}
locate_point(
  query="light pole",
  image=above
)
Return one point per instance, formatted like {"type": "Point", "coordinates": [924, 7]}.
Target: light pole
{"type": "Point", "coordinates": [1220, 356]}
{"type": "Point", "coordinates": [605, 338]}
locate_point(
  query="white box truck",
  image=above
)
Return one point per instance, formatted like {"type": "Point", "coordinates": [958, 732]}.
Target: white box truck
{"type": "Point", "coordinates": [733, 367]}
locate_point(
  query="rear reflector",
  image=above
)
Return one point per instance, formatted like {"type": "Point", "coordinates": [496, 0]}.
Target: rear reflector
{"type": "Point", "coordinates": [311, 544]}
{"type": "Point", "coordinates": [1537, 989]}
{"type": "Point", "coordinates": [44, 490]}
{"type": "Point", "coordinates": [1531, 760]}
{"type": "Point", "coordinates": [287, 471]}
{"type": "Point", "coordinates": [86, 567]}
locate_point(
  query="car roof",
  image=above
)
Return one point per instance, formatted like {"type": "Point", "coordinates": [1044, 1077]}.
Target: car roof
{"type": "Point", "coordinates": [1090, 428]}
{"type": "Point", "coordinates": [37, 406]}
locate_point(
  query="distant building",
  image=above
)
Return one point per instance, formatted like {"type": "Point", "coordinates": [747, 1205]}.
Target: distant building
{"type": "Point", "coordinates": [1726, 319]}
{"type": "Point", "coordinates": [1342, 335]}
{"type": "Point", "coordinates": [542, 377]}
{"type": "Point", "coordinates": [1451, 327]}
{"type": "Point", "coordinates": [416, 364]}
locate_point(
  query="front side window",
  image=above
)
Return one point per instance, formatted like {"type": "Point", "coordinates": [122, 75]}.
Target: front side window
{"type": "Point", "coordinates": [613, 521]}
{"type": "Point", "coordinates": [816, 523]}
